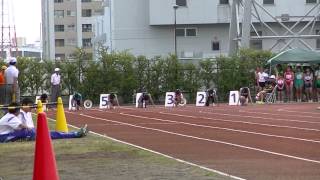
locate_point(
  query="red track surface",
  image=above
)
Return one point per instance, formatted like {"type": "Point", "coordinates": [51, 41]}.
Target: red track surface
{"type": "Point", "coordinates": [253, 142]}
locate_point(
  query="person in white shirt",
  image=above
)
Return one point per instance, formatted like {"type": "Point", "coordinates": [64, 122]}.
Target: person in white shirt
{"type": "Point", "coordinates": [12, 128]}
{"type": "Point", "coordinates": [55, 85]}
{"type": "Point", "coordinates": [12, 87]}
{"type": "Point", "coordinates": [18, 125]}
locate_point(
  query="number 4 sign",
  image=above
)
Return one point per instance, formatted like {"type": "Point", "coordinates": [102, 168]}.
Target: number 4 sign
{"type": "Point", "coordinates": [234, 98]}
{"type": "Point", "coordinates": [201, 98]}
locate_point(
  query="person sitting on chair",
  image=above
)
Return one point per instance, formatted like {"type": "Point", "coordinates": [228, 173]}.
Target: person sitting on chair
{"type": "Point", "coordinates": [262, 94]}
{"type": "Point", "coordinates": [244, 96]}
{"type": "Point", "coordinates": [210, 97]}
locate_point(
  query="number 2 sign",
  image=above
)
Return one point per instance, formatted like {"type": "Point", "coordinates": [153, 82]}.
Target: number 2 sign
{"type": "Point", "coordinates": [201, 98]}
{"type": "Point", "coordinates": [234, 98]}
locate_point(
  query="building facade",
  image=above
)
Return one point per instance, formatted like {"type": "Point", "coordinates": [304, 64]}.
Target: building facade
{"type": "Point", "coordinates": [201, 28]}
{"type": "Point", "coordinates": [67, 25]}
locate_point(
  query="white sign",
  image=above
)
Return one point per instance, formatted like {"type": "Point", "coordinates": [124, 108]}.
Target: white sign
{"type": "Point", "coordinates": [37, 98]}
{"type": "Point", "coordinates": [169, 101]}
{"type": "Point", "coordinates": [201, 99]}
{"type": "Point", "coordinates": [104, 101]}
{"type": "Point", "coordinates": [234, 98]}
{"type": "Point", "coordinates": [72, 106]}
{"type": "Point", "coordinates": [138, 95]}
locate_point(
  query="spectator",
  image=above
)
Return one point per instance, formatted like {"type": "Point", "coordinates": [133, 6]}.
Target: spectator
{"type": "Point", "coordinates": [2, 85]}
{"type": "Point", "coordinates": [11, 78]}
{"type": "Point", "coordinates": [55, 85]}
{"type": "Point", "coordinates": [280, 88]}
{"type": "Point", "coordinates": [317, 83]}
{"type": "Point", "coordinates": [308, 82]}
{"type": "Point", "coordinates": [289, 77]}
{"type": "Point", "coordinates": [298, 83]}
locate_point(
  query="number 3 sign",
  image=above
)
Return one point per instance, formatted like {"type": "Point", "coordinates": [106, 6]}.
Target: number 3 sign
{"type": "Point", "coordinates": [169, 102]}
{"type": "Point", "coordinates": [234, 98]}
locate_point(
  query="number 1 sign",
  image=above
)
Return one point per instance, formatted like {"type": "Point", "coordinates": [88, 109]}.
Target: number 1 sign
{"type": "Point", "coordinates": [201, 98]}
{"type": "Point", "coordinates": [234, 98]}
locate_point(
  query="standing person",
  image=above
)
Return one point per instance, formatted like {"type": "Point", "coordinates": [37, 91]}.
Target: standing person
{"type": "Point", "coordinates": [317, 83]}
{"type": "Point", "coordinates": [308, 82]}
{"type": "Point", "coordinates": [280, 88]}
{"type": "Point", "coordinates": [11, 78]}
{"type": "Point", "coordinates": [298, 83]}
{"type": "Point", "coordinates": [261, 80]}
{"type": "Point", "coordinates": [2, 85]}
{"type": "Point", "coordinates": [289, 77]}
{"type": "Point", "coordinates": [55, 85]}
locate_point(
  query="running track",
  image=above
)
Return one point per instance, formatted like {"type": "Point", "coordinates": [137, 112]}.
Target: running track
{"type": "Point", "coordinates": [252, 142]}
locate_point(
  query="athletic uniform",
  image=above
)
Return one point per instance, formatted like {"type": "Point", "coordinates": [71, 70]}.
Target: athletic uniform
{"type": "Point", "coordinates": [112, 98]}
{"type": "Point", "coordinates": [298, 80]}
{"type": "Point", "coordinates": [288, 78]}
{"type": "Point", "coordinates": [308, 81]}
{"type": "Point", "coordinates": [261, 79]}
{"type": "Point", "coordinates": [178, 97]}
{"type": "Point", "coordinates": [317, 74]}
{"type": "Point", "coordinates": [210, 96]}
{"type": "Point", "coordinates": [280, 84]}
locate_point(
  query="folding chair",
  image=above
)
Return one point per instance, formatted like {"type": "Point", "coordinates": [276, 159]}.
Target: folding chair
{"type": "Point", "coordinates": [271, 97]}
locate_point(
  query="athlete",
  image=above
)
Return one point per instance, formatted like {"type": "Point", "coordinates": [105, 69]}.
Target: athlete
{"type": "Point", "coordinates": [178, 98]}
{"type": "Point", "coordinates": [289, 77]}
{"type": "Point", "coordinates": [308, 82]}
{"type": "Point", "coordinates": [280, 87]}
{"type": "Point", "coordinates": [317, 83]}
{"type": "Point", "coordinates": [210, 97]}
{"type": "Point", "coordinates": [298, 83]}
{"type": "Point", "coordinates": [76, 100]}
{"type": "Point", "coordinates": [113, 101]}
{"type": "Point", "coordinates": [244, 96]}
{"type": "Point", "coordinates": [144, 99]}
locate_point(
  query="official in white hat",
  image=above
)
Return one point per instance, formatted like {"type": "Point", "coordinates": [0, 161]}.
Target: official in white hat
{"type": "Point", "coordinates": [12, 86]}
{"type": "Point", "coordinates": [55, 85]}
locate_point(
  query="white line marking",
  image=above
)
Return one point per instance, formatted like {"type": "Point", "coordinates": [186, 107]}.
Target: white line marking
{"type": "Point", "coordinates": [161, 154]}
{"type": "Point", "coordinates": [220, 128]}
{"type": "Point", "coordinates": [243, 122]}
{"type": "Point", "coordinates": [298, 111]}
{"type": "Point", "coordinates": [256, 117]}
{"type": "Point", "coordinates": [277, 114]}
{"type": "Point", "coordinates": [209, 140]}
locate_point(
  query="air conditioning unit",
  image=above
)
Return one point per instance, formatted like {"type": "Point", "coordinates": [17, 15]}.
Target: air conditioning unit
{"type": "Point", "coordinates": [285, 17]}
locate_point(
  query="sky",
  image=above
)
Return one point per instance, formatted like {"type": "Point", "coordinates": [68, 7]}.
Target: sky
{"type": "Point", "coordinates": [27, 14]}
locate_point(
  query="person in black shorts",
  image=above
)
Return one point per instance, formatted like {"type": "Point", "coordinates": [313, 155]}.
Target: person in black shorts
{"type": "Point", "coordinates": [244, 96]}
{"type": "Point", "coordinates": [76, 100]}
{"type": "Point", "coordinates": [112, 100]}
{"type": "Point", "coordinates": [143, 100]}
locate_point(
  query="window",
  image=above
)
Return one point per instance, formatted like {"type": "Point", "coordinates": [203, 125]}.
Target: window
{"type": "Point", "coordinates": [71, 13]}
{"type": "Point", "coordinates": [181, 2]}
{"type": "Point", "coordinates": [58, 13]}
{"type": "Point", "coordinates": [58, 1]}
{"type": "Point", "coordinates": [215, 45]}
{"type": "Point", "coordinates": [311, 1]}
{"type": "Point", "coordinates": [179, 32]}
{"type": "Point", "coordinates": [58, 28]}
{"type": "Point", "coordinates": [186, 32]}
{"type": "Point", "coordinates": [191, 32]}
{"type": "Point", "coordinates": [71, 27]}
{"type": "Point", "coordinates": [85, 0]}
{"type": "Point", "coordinates": [256, 43]}
{"type": "Point", "coordinates": [86, 42]}
{"type": "Point", "coordinates": [86, 27]}
{"type": "Point", "coordinates": [86, 13]}
{"type": "Point", "coordinates": [268, 1]}
{"type": "Point", "coordinates": [224, 1]}
{"type": "Point", "coordinates": [60, 57]}
{"type": "Point", "coordinates": [318, 39]}
{"type": "Point", "coordinates": [59, 42]}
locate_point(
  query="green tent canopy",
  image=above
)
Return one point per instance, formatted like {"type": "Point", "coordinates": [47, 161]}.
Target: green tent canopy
{"type": "Point", "coordinates": [296, 55]}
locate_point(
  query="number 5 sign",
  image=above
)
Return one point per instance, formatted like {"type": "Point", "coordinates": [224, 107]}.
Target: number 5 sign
{"type": "Point", "coordinates": [234, 98]}
{"type": "Point", "coordinates": [201, 98]}
{"type": "Point", "coordinates": [104, 98]}
{"type": "Point", "coordinates": [169, 102]}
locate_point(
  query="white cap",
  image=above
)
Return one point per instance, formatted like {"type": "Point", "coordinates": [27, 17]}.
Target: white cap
{"type": "Point", "coordinates": [12, 60]}
{"type": "Point", "coordinates": [272, 77]}
{"type": "Point", "coordinates": [56, 69]}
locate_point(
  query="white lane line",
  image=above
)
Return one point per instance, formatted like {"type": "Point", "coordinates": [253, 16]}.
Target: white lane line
{"type": "Point", "coordinates": [243, 122]}
{"type": "Point", "coordinates": [161, 154]}
{"type": "Point", "coordinates": [250, 112]}
{"type": "Point", "coordinates": [220, 128]}
{"type": "Point", "coordinates": [208, 140]}
{"type": "Point", "coordinates": [285, 110]}
{"type": "Point", "coordinates": [256, 117]}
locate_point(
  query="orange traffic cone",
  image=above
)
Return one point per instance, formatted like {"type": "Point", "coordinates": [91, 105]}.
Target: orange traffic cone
{"type": "Point", "coordinates": [45, 167]}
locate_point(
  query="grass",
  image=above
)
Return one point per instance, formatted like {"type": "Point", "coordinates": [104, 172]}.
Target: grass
{"type": "Point", "coordinates": [95, 157]}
